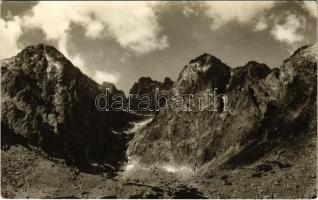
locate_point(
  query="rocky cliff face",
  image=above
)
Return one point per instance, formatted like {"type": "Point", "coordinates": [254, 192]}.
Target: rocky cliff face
{"type": "Point", "coordinates": [265, 106]}
{"type": "Point", "coordinates": [205, 71]}
{"type": "Point", "coordinates": [147, 86]}
{"type": "Point", "coordinates": [48, 103]}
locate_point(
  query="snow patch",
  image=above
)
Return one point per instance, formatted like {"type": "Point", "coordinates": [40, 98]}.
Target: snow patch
{"type": "Point", "coordinates": [133, 165]}
{"type": "Point", "coordinates": [138, 125]}
{"type": "Point", "coordinates": [180, 169]}
{"type": "Point", "coordinates": [52, 64]}
{"type": "Point", "coordinates": [205, 68]}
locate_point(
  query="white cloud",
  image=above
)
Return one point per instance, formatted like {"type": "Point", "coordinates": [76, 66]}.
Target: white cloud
{"type": "Point", "coordinates": [94, 29]}
{"type": "Point", "coordinates": [288, 32]}
{"type": "Point", "coordinates": [97, 75]}
{"type": "Point", "coordinates": [311, 7]}
{"type": "Point", "coordinates": [10, 31]}
{"type": "Point", "coordinates": [102, 76]}
{"type": "Point", "coordinates": [285, 27]}
{"type": "Point", "coordinates": [133, 25]}
{"type": "Point", "coordinates": [190, 8]}
{"type": "Point", "coordinates": [80, 63]}
{"type": "Point", "coordinates": [261, 25]}
{"type": "Point", "coordinates": [223, 12]}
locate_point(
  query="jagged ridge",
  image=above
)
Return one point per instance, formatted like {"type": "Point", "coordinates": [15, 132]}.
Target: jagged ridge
{"type": "Point", "coordinates": [265, 106]}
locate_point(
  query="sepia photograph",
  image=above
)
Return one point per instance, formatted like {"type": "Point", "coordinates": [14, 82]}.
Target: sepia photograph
{"type": "Point", "coordinates": [158, 99]}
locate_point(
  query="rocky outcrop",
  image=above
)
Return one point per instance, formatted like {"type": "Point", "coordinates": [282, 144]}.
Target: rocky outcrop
{"type": "Point", "coordinates": [205, 71]}
{"type": "Point", "coordinates": [264, 106]}
{"type": "Point", "coordinates": [147, 86]}
{"type": "Point", "coordinates": [46, 102]}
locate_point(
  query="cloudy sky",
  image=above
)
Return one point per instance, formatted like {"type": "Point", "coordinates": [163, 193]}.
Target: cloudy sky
{"type": "Point", "coordinates": [121, 41]}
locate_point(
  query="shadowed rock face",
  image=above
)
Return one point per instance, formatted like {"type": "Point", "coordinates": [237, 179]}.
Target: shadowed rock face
{"type": "Point", "coordinates": [265, 106]}
{"type": "Point", "coordinates": [147, 86]}
{"type": "Point", "coordinates": [48, 103]}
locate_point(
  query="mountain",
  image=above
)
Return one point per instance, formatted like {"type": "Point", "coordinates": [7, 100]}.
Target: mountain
{"type": "Point", "coordinates": [258, 141]}
{"type": "Point", "coordinates": [147, 86]}
{"type": "Point", "coordinates": [266, 106]}
{"type": "Point", "coordinates": [205, 71]}
{"type": "Point", "coordinates": [47, 103]}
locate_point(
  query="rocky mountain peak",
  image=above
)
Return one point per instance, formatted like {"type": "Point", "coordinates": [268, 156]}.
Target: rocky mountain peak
{"type": "Point", "coordinates": [42, 63]}
{"type": "Point", "coordinates": [147, 86]}
{"type": "Point", "coordinates": [45, 54]}
{"type": "Point", "coordinates": [112, 89]}
{"type": "Point", "coordinates": [167, 83]}
{"type": "Point", "coordinates": [249, 73]}
{"type": "Point", "coordinates": [205, 59]}
{"type": "Point", "coordinates": [145, 80]}
{"type": "Point", "coordinates": [50, 104]}
{"type": "Point", "coordinates": [144, 84]}
{"type": "Point", "coordinates": [256, 70]}
{"type": "Point", "coordinates": [40, 49]}
{"type": "Point", "coordinates": [309, 51]}
{"type": "Point", "coordinates": [302, 63]}
{"type": "Point", "coordinates": [203, 72]}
